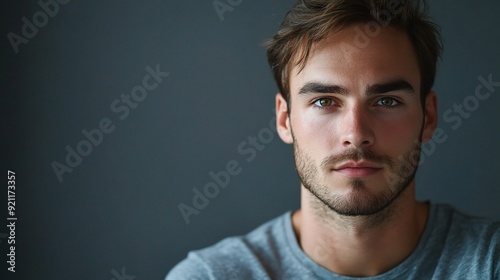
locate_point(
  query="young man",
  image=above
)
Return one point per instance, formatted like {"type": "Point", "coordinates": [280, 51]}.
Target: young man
{"type": "Point", "coordinates": [355, 100]}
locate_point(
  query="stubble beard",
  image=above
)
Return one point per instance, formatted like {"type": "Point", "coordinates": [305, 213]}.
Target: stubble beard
{"type": "Point", "coordinates": [360, 200]}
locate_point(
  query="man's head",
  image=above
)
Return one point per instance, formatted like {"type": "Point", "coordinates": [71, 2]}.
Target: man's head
{"type": "Point", "coordinates": [356, 101]}
{"type": "Point", "coordinates": [310, 21]}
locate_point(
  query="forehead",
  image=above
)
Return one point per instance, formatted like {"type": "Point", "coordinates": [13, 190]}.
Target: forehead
{"type": "Point", "coordinates": [353, 59]}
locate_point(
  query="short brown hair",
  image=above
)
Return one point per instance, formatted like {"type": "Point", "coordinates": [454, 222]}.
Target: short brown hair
{"type": "Point", "coordinates": [310, 21]}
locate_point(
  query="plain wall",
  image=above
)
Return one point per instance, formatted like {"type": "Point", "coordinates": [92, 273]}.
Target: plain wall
{"type": "Point", "coordinates": [118, 208]}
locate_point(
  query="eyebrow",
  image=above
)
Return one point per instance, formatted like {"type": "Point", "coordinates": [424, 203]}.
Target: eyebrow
{"type": "Point", "coordinates": [396, 85]}
{"type": "Point", "coordinates": [318, 87]}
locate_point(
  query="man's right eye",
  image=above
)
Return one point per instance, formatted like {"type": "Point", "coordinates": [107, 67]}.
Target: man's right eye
{"type": "Point", "coordinates": [324, 102]}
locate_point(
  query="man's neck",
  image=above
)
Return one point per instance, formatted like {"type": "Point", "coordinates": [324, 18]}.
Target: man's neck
{"type": "Point", "coordinates": [364, 245]}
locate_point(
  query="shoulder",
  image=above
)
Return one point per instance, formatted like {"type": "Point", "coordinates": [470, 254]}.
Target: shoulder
{"type": "Point", "coordinates": [465, 226]}
{"type": "Point", "coordinates": [473, 243]}
{"type": "Point", "coordinates": [240, 257]}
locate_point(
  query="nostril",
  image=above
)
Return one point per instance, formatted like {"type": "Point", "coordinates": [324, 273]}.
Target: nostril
{"type": "Point", "coordinates": [357, 144]}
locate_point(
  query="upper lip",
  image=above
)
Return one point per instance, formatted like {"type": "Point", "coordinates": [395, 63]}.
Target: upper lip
{"type": "Point", "coordinates": [357, 164]}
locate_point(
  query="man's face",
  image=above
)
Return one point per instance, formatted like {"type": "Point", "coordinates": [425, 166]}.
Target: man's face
{"type": "Point", "coordinates": [356, 120]}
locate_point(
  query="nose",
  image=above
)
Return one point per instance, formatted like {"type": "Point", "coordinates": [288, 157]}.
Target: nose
{"type": "Point", "coordinates": [357, 128]}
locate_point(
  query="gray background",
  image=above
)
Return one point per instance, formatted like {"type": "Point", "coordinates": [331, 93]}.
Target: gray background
{"type": "Point", "coordinates": [119, 207]}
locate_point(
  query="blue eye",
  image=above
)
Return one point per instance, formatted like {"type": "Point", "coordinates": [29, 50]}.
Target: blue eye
{"type": "Point", "coordinates": [388, 102]}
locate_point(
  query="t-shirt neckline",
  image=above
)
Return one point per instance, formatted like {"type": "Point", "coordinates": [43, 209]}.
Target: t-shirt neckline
{"type": "Point", "coordinates": [320, 271]}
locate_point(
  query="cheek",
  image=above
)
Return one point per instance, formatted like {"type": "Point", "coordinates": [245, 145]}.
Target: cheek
{"type": "Point", "coordinates": [398, 134]}
{"type": "Point", "coordinates": [322, 134]}
{"type": "Point", "coordinates": [315, 133]}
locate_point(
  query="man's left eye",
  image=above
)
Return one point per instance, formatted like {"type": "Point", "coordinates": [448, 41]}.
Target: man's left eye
{"type": "Point", "coordinates": [388, 102]}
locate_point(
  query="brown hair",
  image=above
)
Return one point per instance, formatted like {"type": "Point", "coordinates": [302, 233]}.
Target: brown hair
{"type": "Point", "coordinates": [310, 21]}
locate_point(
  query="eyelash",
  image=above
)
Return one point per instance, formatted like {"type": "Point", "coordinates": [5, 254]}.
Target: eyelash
{"type": "Point", "coordinates": [398, 103]}
{"type": "Point", "coordinates": [315, 101]}
{"type": "Point", "coordinates": [394, 100]}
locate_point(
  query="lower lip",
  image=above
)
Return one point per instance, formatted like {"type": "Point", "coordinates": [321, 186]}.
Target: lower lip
{"type": "Point", "coordinates": [358, 172]}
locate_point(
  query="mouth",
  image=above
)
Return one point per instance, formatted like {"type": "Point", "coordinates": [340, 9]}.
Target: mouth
{"type": "Point", "coordinates": [358, 169]}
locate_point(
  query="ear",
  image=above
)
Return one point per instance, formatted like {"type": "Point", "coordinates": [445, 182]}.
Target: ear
{"type": "Point", "coordinates": [430, 117]}
{"type": "Point", "coordinates": [283, 120]}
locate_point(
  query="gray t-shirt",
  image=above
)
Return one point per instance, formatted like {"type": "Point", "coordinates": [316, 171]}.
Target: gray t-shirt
{"type": "Point", "coordinates": [453, 246]}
